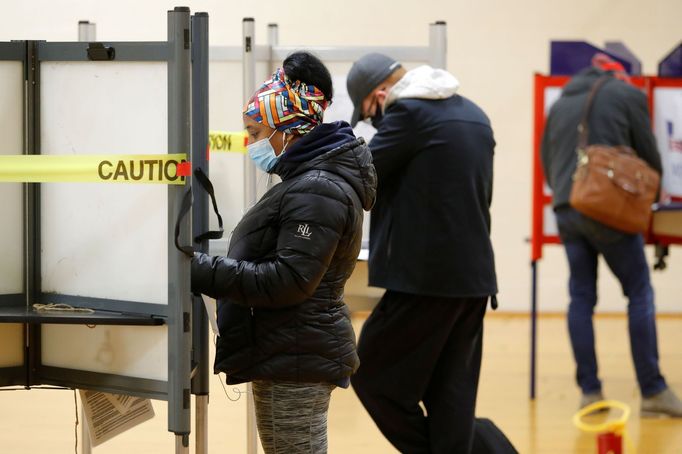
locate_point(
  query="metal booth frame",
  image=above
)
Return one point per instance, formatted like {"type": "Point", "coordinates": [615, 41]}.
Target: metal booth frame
{"type": "Point", "coordinates": [185, 52]}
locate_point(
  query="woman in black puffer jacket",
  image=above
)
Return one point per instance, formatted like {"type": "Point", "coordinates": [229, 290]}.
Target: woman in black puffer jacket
{"type": "Point", "coordinates": [281, 315]}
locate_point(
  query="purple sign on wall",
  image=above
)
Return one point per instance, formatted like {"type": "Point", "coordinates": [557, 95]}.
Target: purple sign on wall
{"type": "Point", "coordinates": [671, 65]}
{"type": "Point", "coordinates": [570, 57]}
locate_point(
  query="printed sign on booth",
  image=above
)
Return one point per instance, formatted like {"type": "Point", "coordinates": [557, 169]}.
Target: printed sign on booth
{"type": "Point", "coordinates": [668, 130]}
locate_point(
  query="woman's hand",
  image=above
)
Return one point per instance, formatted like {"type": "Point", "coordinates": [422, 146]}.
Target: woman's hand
{"type": "Point", "coordinates": [202, 274]}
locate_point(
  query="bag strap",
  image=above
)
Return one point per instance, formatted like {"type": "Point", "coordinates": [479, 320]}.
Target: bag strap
{"type": "Point", "coordinates": [203, 179]}
{"type": "Point", "coordinates": [185, 207]}
{"type": "Point", "coordinates": [583, 128]}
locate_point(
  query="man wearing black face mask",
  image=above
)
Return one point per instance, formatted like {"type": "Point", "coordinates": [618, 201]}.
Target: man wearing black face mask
{"type": "Point", "coordinates": [430, 249]}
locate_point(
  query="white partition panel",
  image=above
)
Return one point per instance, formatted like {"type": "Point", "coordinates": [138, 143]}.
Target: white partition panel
{"type": "Point", "coordinates": [11, 224]}
{"type": "Point", "coordinates": [104, 240]}
{"type": "Point", "coordinates": [132, 351]}
{"type": "Point", "coordinates": [549, 227]}
{"type": "Point", "coordinates": [11, 345]}
{"type": "Point", "coordinates": [11, 143]}
{"type": "Point", "coordinates": [668, 129]}
{"type": "Point", "coordinates": [226, 169]}
{"type": "Point", "coordinates": [225, 114]}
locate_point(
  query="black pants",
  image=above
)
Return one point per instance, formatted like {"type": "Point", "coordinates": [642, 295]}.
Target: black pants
{"type": "Point", "coordinates": [422, 349]}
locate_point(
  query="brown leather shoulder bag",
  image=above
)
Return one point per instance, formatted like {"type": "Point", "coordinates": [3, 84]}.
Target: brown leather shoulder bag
{"type": "Point", "coordinates": [611, 184]}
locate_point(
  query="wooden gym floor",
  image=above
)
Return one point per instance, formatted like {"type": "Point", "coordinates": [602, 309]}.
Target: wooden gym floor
{"type": "Point", "coordinates": [42, 421]}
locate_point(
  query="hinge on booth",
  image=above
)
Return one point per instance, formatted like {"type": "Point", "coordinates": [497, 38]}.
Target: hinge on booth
{"type": "Point", "coordinates": [186, 321]}
{"type": "Point", "coordinates": [185, 398]}
{"type": "Point", "coordinates": [100, 52]}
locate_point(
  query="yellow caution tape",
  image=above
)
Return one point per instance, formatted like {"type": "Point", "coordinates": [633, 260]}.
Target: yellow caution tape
{"type": "Point", "coordinates": [616, 426]}
{"type": "Point", "coordinates": [226, 141]}
{"type": "Point", "coordinates": [158, 168]}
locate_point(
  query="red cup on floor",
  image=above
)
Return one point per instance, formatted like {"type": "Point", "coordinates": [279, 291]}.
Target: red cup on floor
{"type": "Point", "coordinates": [609, 443]}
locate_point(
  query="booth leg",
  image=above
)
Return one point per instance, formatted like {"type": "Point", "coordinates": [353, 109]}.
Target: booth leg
{"type": "Point", "coordinates": [181, 444]}
{"type": "Point", "coordinates": [533, 328]}
{"type": "Point", "coordinates": [86, 446]}
{"type": "Point", "coordinates": [201, 425]}
{"type": "Point", "coordinates": [251, 427]}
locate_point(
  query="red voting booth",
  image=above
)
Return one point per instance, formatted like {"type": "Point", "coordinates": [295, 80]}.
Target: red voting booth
{"type": "Point", "coordinates": [665, 105]}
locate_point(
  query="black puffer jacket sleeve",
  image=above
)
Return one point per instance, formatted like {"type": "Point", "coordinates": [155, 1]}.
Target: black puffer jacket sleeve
{"type": "Point", "coordinates": [313, 216]}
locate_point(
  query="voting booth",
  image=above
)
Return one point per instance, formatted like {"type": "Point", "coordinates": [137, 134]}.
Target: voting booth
{"type": "Point", "coordinates": [665, 106]}
{"type": "Point", "coordinates": [99, 144]}
{"type": "Point", "coordinates": [108, 234]}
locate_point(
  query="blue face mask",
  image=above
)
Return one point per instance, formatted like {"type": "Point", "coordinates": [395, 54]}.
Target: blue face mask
{"type": "Point", "coordinates": [262, 154]}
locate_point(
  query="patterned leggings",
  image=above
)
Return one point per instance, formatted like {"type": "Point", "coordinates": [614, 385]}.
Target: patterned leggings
{"type": "Point", "coordinates": [292, 417]}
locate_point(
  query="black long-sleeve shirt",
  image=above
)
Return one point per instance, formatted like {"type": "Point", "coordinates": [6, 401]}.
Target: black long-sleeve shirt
{"type": "Point", "coordinates": [430, 227]}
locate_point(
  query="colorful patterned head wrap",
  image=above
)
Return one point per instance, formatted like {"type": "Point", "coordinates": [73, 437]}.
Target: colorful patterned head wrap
{"type": "Point", "coordinates": [295, 108]}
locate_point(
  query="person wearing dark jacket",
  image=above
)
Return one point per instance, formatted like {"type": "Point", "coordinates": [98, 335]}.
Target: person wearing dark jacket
{"type": "Point", "coordinates": [430, 249]}
{"type": "Point", "coordinates": [619, 116]}
{"type": "Point", "coordinates": [281, 314]}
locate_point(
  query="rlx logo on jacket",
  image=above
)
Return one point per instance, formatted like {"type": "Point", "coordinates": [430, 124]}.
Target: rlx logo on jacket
{"type": "Point", "coordinates": [303, 231]}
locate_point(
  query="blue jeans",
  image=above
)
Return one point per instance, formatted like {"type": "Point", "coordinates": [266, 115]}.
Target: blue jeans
{"type": "Point", "coordinates": [584, 239]}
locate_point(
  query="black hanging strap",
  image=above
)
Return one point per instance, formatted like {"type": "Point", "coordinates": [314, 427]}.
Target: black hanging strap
{"type": "Point", "coordinates": [186, 206]}
{"type": "Point", "coordinates": [184, 209]}
{"type": "Point", "coordinates": [208, 187]}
